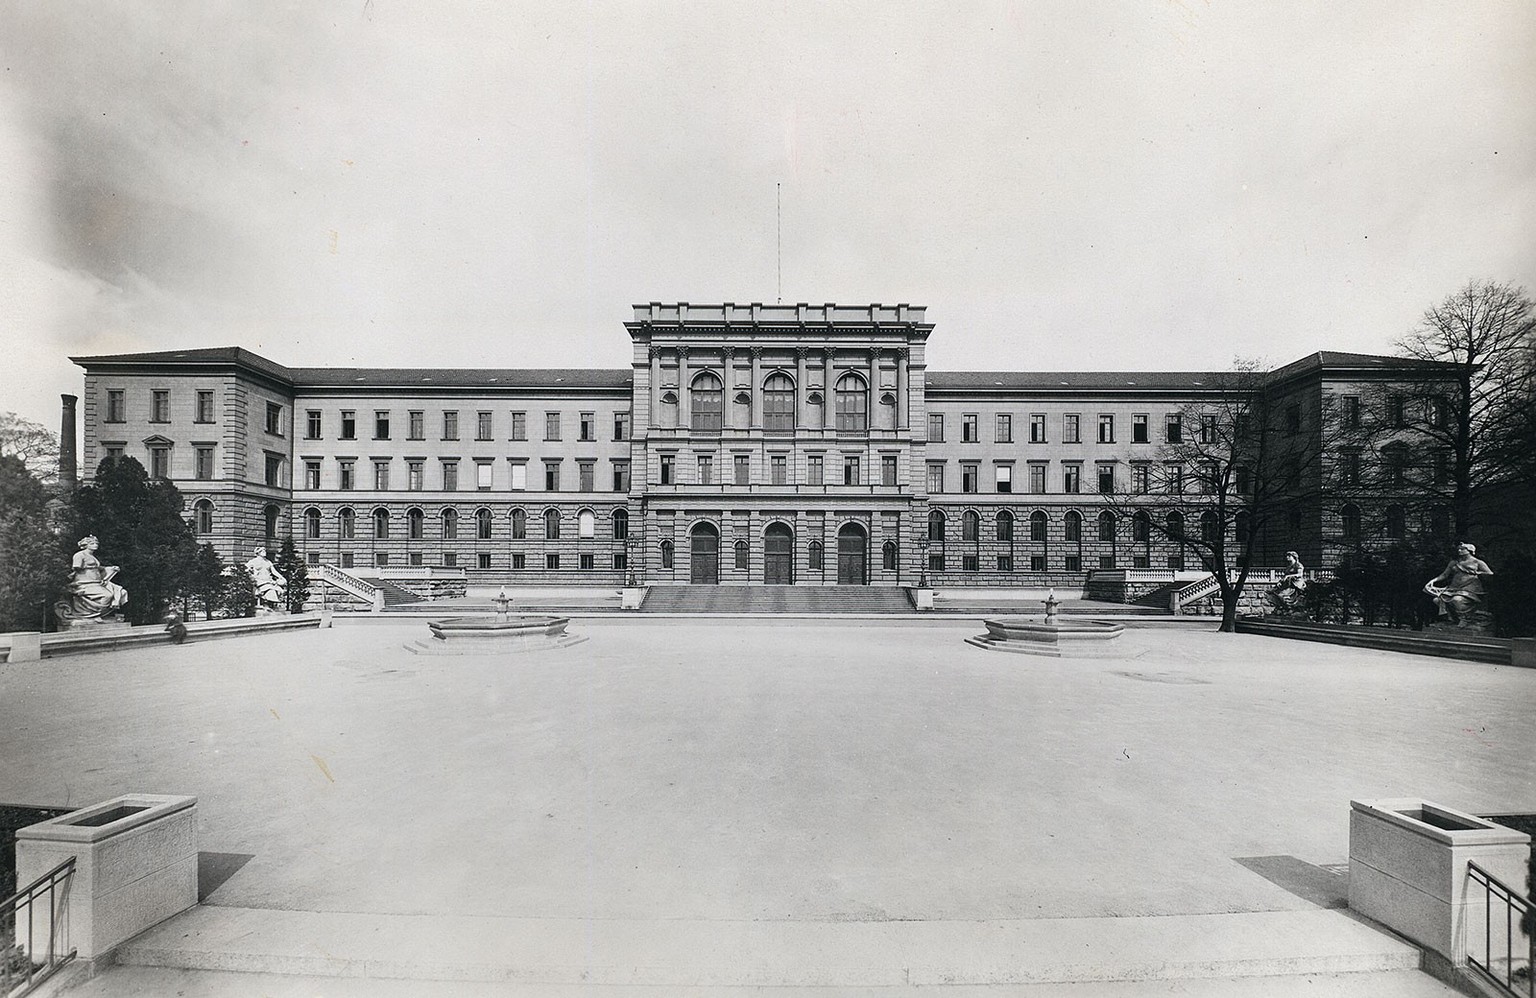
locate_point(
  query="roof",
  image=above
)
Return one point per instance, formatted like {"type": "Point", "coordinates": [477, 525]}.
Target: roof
{"type": "Point", "coordinates": [1338, 360]}
{"type": "Point", "coordinates": [1097, 380]}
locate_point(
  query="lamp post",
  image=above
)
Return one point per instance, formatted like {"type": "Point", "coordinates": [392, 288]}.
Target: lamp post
{"type": "Point", "coordinates": [629, 564]}
{"type": "Point", "coordinates": [922, 570]}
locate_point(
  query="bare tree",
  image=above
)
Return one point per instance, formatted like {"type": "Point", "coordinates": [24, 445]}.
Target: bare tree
{"type": "Point", "coordinates": [34, 444]}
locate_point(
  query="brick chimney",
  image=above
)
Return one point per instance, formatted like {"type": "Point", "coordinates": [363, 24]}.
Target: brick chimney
{"type": "Point", "coordinates": [68, 470]}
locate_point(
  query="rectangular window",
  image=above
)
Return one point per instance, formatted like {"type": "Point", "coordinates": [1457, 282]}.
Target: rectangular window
{"type": "Point", "coordinates": [1210, 477]}
{"type": "Point", "coordinates": [115, 405]}
{"type": "Point", "coordinates": [778, 469]}
{"type": "Point", "coordinates": [484, 475]}
{"type": "Point", "coordinates": [1350, 412]}
{"type": "Point", "coordinates": [1037, 428]}
{"type": "Point", "coordinates": [1397, 411]}
{"type": "Point", "coordinates": [1074, 563]}
{"type": "Point", "coordinates": [415, 425]}
{"type": "Point", "coordinates": [1442, 467]}
{"type": "Point", "coordinates": [347, 478]}
{"type": "Point", "coordinates": [114, 451]}
{"type": "Point", "coordinates": [519, 476]}
{"type": "Point", "coordinates": [621, 426]}
{"type": "Point", "coordinates": [274, 419]}
{"type": "Point", "coordinates": [1037, 563]}
{"type": "Point", "coordinates": [1173, 429]}
{"type": "Point", "coordinates": [1242, 480]}
{"type": "Point", "coordinates": [415, 558]}
{"type": "Point", "coordinates": [588, 426]}
{"type": "Point", "coordinates": [1106, 561]}
{"type": "Point", "coordinates": [1004, 477]}
{"type": "Point", "coordinates": [851, 474]}
{"type": "Point", "coordinates": [552, 562]}
{"type": "Point", "coordinates": [935, 477]}
{"type": "Point", "coordinates": [1071, 428]}
{"type": "Point", "coordinates": [1071, 478]}
{"type": "Point", "coordinates": [519, 561]}
{"type": "Point", "coordinates": [415, 475]}
{"type": "Point", "coordinates": [587, 563]}
{"type": "Point", "coordinates": [1005, 563]}
{"type": "Point", "coordinates": [935, 561]}
{"type": "Point", "coordinates": [888, 470]}
{"type": "Point", "coordinates": [312, 558]}
{"type": "Point", "coordinates": [346, 559]}
{"type": "Point", "coordinates": [1139, 428]}
{"type": "Point", "coordinates": [482, 426]}
{"type": "Point", "coordinates": [935, 427]}
{"type": "Point", "coordinates": [551, 426]}
{"type": "Point", "coordinates": [620, 561]}
{"type": "Point", "coordinates": [274, 469]}
{"type": "Point", "coordinates": [621, 476]}
{"type": "Point", "coordinates": [381, 559]}
{"type": "Point", "coordinates": [160, 462]}
{"type": "Point", "coordinates": [1037, 478]}
{"type": "Point", "coordinates": [813, 471]}
{"type": "Point", "coordinates": [706, 469]}
{"type": "Point", "coordinates": [1292, 418]}
{"type": "Point", "coordinates": [1208, 426]}
{"type": "Point", "coordinates": [519, 426]}
{"type": "Point", "coordinates": [1106, 479]}
{"type": "Point", "coordinates": [205, 407]}
{"type": "Point", "coordinates": [381, 424]}
{"type": "Point", "coordinates": [450, 559]}
{"type": "Point", "coordinates": [450, 425]}
{"type": "Point", "coordinates": [204, 467]}
{"type": "Point", "coordinates": [311, 471]}
{"type": "Point", "coordinates": [585, 475]}
{"type": "Point", "coordinates": [450, 476]}
{"type": "Point", "coordinates": [968, 563]}
{"type": "Point", "coordinates": [1106, 428]}
{"type": "Point", "coordinates": [483, 559]}
{"type": "Point", "coordinates": [1005, 428]}
{"type": "Point", "coordinates": [968, 428]}
{"type": "Point", "coordinates": [160, 406]}
{"type": "Point", "coordinates": [551, 476]}
{"type": "Point", "coordinates": [348, 424]}
{"type": "Point", "coordinates": [381, 476]}
{"type": "Point", "coordinates": [968, 476]}
{"type": "Point", "coordinates": [311, 424]}
{"type": "Point", "coordinates": [742, 464]}
{"type": "Point", "coordinates": [668, 469]}
{"type": "Point", "coordinates": [1141, 478]}
{"type": "Point", "coordinates": [1175, 473]}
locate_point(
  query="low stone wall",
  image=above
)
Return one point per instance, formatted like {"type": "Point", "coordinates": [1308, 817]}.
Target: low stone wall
{"type": "Point", "coordinates": [82, 642]}
{"type": "Point", "coordinates": [1467, 647]}
{"type": "Point", "coordinates": [434, 588]}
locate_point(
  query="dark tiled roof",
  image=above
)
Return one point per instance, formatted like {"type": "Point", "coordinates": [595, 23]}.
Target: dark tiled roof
{"type": "Point", "coordinates": [205, 355]}
{"type": "Point", "coordinates": [1336, 360]}
{"type": "Point", "coordinates": [1098, 380]}
{"type": "Point", "coordinates": [463, 377]}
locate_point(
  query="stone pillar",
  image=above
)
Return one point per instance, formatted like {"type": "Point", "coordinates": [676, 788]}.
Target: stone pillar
{"type": "Point", "coordinates": [68, 467]}
{"type": "Point", "coordinates": [902, 388]}
{"type": "Point", "coordinates": [654, 416]}
{"type": "Point", "coordinates": [874, 386]}
{"type": "Point", "coordinates": [802, 408]}
{"type": "Point", "coordinates": [728, 399]}
{"type": "Point", "coordinates": [684, 399]}
{"type": "Point", "coordinates": [756, 419]}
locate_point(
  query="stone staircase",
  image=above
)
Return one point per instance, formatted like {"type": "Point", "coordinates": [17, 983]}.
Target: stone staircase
{"type": "Point", "coordinates": [777, 599]}
{"type": "Point", "coordinates": [394, 595]}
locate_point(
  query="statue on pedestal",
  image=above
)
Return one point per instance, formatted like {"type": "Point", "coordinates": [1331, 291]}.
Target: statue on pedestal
{"type": "Point", "coordinates": [92, 596]}
{"type": "Point", "coordinates": [1285, 595]}
{"type": "Point", "coordinates": [1458, 591]}
{"type": "Point", "coordinates": [269, 582]}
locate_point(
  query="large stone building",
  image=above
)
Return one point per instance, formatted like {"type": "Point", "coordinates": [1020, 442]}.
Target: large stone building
{"type": "Point", "coordinates": [744, 444]}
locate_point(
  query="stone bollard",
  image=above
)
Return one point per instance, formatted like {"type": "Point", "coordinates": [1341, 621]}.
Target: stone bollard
{"type": "Point", "coordinates": [26, 646]}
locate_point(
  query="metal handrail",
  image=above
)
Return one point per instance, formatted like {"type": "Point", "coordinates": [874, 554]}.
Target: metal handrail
{"type": "Point", "coordinates": [21, 972]}
{"type": "Point", "coordinates": [1514, 976]}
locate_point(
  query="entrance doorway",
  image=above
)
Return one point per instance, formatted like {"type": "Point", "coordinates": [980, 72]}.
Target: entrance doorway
{"type": "Point", "coordinates": [852, 548]}
{"type": "Point", "coordinates": [778, 555]}
{"type": "Point", "coordinates": [704, 563]}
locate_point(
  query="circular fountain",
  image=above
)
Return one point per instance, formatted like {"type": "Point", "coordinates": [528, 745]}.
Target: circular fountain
{"type": "Point", "coordinates": [1050, 636]}
{"type": "Point", "coordinates": [499, 635]}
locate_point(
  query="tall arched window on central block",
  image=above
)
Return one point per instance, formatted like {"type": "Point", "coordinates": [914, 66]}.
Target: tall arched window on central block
{"type": "Point", "coordinates": [852, 403]}
{"type": "Point", "coordinates": [414, 523]}
{"type": "Point", "coordinates": [312, 524]}
{"type": "Point", "coordinates": [204, 516]}
{"type": "Point", "coordinates": [970, 526]}
{"type": "Point", "coordinates": [519, 524]}
{"type": "Point", "coordinates": [1037, 521]}
{"type": "Point", "coordinates": [706, 403]}
{"type": "Point", "coordinates": [381, 524]}
{"type": "Point", "coordinates": [483, 524]}
{"type": "Point", "coordinates": [1005, 527]}
{"type": "Point", "coordinates": [620, 524]}
{"type": "Point", "coordinates": [935, 527]}
{"type": "Point", "coordinates": [450, 524]}
{"type": "Point", "coordinates": [551, 524]}
{"type": "Point", "coordinates": [348, 523]}
{"type": "Point", "coordinates": [1106, 526]}
{"type": "Point", "coordinates": [778, 402]}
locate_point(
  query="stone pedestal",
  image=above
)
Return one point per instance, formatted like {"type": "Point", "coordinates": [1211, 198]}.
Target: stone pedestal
{"type": "Point", "coordinates": [631, 597]}
{"type": "Point", "coordinates": [1408, 870]}
{"type": "Point", "coordinates": [135, 865]}
{"type": "Point", "coordinates": [922, 599]}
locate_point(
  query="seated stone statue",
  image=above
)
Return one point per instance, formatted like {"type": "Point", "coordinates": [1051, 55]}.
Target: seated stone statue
{"type": "Point", "coordinates": [91, 596]}
{"type": "Point", "coordinates": [1458, 591]}
{"type": "Point", "coordinates": [1285, 595]}
{"type": "Point", "coordinates": [269, 581]}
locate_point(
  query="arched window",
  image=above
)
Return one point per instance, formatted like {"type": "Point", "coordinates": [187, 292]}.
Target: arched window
{"type": "Point", "coordinates": [1349, 522]}
{"type": "Point", "coordinates": [204, 517]}
{"type": "Point", "coordinates": [312, 524]}
{"type": "Point", "coordinates": [1141, 526]}
{"type": "Point", "coordinates": [450, 524]}
{"type": "Point", "coordinates": [272, 514]}
{"type": "Point", "coordinates": [1241, 524]}
{"type": "Point", "coordinates": [551, 524]}
{"type": "Point", "coordinates": [888, 556]}
{"type": "Point", "coordinates": [669, 409]}
{"type": "Point", "coordinates": [1397, 522]}
{"type": "Point", "coordinates": [1106, 526]}
{"type": "Point", "coordinates": [970, 526]}
{"type": "Point", "coordinates": [707, 400]}
{"type": "Point", "coordinates": [666, 554]}
{"type": "Point", "coordinates": [813, 556]}
{"type": "Point", "coordinates": [1175, 525]}
{"type": "Point", "coordinates": [935, 527]}
{"type": "Point", "coordinates": [1037, 525]}
{"type": "Point", "coordinates": [519, 524]}
{"type": "Point", "coordinates": [1440, 521]}
{"type": "Point", "coordinates": [381, 524]}
{"type": "Point", "coordinates": [1005, 526]}
{"type": "Point", "coordinates": [620, 524]}
{"type": "Point", "coordinates": [1074, 525]}
{"type": "Point", "coordinates": [483, 524]}
{"type": "Point", "coordinates": [348, 521]}
{"type": "Point", "coordinates": [1210, 527]}
{"type": "Point", "coordinates": [741, 555]}
{"type": "Point", "coordinates": [778, 402]}
{"type": "Point", "coordinates": [852, 403]}
{"type": "Point", "coordinates": [414, 521]}
{"type": "Point", "coordinates": [586, 524]}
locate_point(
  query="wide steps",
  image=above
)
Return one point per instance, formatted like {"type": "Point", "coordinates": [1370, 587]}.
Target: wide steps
{"type": "Point", "coordinates": [393, 595]}
{"type": "Point", "coordinates": [776, 599]}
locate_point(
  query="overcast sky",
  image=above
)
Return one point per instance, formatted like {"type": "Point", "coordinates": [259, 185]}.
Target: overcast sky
{"type": "Point", "coordinates": [1131, 185]}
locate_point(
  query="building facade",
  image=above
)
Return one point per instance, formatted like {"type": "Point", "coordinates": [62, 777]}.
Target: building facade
{"type": "Point", "coordinates": [744, 444]}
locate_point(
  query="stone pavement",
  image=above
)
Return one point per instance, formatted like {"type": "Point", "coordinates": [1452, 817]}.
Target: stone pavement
{"type": "Point", "coordinates": [752, 772]}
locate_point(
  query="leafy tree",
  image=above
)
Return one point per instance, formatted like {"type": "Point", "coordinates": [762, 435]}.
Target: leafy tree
{"type": "Point", "coordinates": [31, 571]}
{"type": "Point", "coordinates": [206, 580]}
{"type": "Point", "coordinates": [288, 562]}
{"type": "Point", "coordinates": [35, 444]}
{"type": "Point", "coordinates": [239, 592]}
{"type": "Point", "coordinates": [138, 523]}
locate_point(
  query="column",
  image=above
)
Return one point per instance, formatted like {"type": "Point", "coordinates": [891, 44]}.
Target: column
{"type": "Point", "coordinates": [802, 418]}
{"type": "Point", "coordinates": [654, 413]}
{"type": "Point", "coordinates": [756, 421]}
{"type": "Point", "coordinates": [902, 388]}
{"type": "Point", "coordinates": [728, 378]}
{"type": "Point", "coordinates": [874, 390]}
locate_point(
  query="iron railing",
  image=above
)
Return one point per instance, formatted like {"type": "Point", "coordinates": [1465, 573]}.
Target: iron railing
{"type": "Point", "coordinates": [1506, 956]}
{"type": "Point", "coordinates": [34, 932]}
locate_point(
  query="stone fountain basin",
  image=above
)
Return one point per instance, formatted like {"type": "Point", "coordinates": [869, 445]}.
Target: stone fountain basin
{"type": "Point", "coordinates": [495, 635]}
{"type": "Point", "coordinates": [1055, 638]}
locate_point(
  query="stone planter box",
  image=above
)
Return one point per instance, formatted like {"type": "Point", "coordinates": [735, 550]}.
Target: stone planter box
{"type": "Point", "coordinates": [135, 865]}
{"type": "Point", "coordinates": [631, 597]}
{"type": "Point", "coordinates": [1408, 870]}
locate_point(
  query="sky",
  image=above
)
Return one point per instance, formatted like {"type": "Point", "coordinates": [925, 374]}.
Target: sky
{"type": "Point", "coordinates": [1067, 186]}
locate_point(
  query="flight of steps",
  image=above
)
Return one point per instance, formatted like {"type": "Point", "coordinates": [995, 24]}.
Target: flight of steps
{"type": "Point", "coordinates": [777, 599]}
{"type": "Point", "coordinates": [393, 595]}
